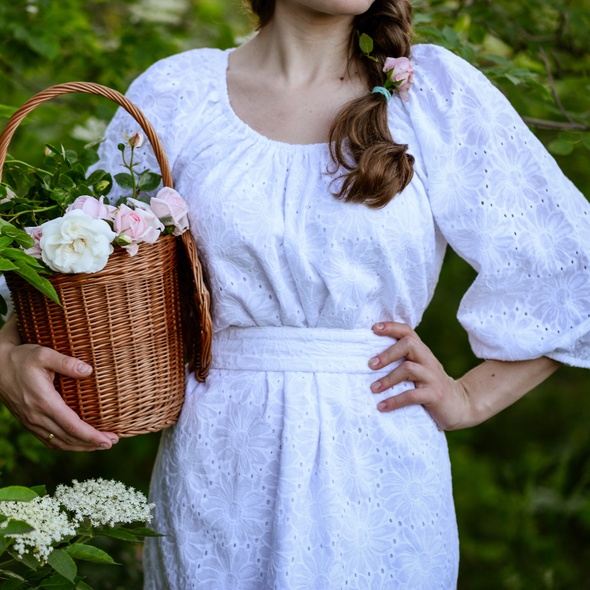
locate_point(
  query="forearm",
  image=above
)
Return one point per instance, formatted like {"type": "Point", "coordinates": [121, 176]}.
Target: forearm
{"type": "Point", "coordinates": [494, 385]}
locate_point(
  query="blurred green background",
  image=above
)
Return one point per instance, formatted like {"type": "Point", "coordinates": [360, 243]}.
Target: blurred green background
{"type": "Point", "coordinates": [521, 479]}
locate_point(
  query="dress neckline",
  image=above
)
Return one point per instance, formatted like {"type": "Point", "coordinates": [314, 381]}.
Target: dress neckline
{"type": "Point", "coordinates": [241, 125]}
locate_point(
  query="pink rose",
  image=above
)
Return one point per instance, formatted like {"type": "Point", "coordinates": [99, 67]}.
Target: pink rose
{"type": "Point", "coordinates": [35, 233]}
{"type": "Point", "coordinates": [171, 209]}
{"type": "Point", "coordinates": [137, 225]}
{"type": "Point", "coordinates": [401, 73]}
{"type": "Point", "coordinates": [97, 209]}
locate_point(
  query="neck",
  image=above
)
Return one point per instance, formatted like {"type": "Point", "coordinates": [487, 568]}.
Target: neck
{"type": "Point", "coordinates": [300, 46]}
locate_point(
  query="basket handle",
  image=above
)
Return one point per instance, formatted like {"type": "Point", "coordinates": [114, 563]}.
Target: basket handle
{"type": "Point", "coordinates": [87, 88]}
{"type": "Point", "coordinates": [198, 325]}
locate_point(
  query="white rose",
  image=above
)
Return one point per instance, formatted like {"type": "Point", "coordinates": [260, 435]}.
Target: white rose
{"type": "Point", "coordinates": [76, 243]}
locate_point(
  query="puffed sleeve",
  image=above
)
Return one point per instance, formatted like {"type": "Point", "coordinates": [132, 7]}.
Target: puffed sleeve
{"type": "Point", "coordinates": [502, 203]}
{"type": "Point", "coordinates": [169, 94]}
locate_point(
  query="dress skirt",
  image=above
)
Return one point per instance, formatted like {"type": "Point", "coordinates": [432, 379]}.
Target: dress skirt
{"type": "Point", "coordinates": [281, 474]}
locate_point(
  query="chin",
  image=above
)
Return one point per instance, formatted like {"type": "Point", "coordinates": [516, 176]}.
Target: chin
{"type": "Point", "coordinates": [333, 7]}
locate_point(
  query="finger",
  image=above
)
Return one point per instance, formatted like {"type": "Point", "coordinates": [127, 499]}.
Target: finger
{"type": "Point", "coordinates": [410, 397]}
{"type": "Point", "coordinates": [46, 413]}
{"type": "Point", "coordinates": [70, 429]}
{"type": "Point", "coordinates": [395, 330]}
{"type": "Point", "coordinates": [407, 371]}
{"type": "Point", "coordinates": [408, 347]}
{"type": "Point", "coordinates": [70, 432]}
{"type": "Point", "coordinates": [65, 365]}
{"type": "Point", "coordinates": [54, 442]}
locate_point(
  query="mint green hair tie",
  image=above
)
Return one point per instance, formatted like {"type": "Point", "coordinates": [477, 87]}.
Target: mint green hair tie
{"type": "Point", "coordinates": [382, 90]}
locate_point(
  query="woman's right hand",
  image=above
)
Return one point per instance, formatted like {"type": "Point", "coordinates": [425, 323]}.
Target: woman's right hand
{"type": "Point", "coordinates": [26, 387]}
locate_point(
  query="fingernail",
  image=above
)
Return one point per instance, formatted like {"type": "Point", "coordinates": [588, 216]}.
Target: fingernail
{"type": "Point", "coordinates": [379, 326]}
{"type": "Point", "coordinates": [382, 406]}
{"type": "Point", "coordinates": [84, 368]}
{"type": "Point", "coordinates": [374, 362]}
{"type": "Point", "coordinates": [103, 446]}
{"type": "Point", "coordinates": [375, 386]}
{"type": "Point", "coordinates": [114, 440]}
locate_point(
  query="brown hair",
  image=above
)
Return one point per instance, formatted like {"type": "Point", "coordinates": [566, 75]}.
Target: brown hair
{"type": "Point", "coordinates": [377, 168]}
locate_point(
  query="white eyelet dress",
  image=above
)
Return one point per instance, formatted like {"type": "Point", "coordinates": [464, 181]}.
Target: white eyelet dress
{"type": "Point", "coordinates": [281, 474]}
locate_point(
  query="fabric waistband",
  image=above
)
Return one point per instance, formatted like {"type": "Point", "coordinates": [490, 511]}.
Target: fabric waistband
{"type": "Point", "coordinates": [289, 349]}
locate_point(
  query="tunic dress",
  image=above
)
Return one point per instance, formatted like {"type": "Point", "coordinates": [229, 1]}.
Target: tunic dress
{"type": "Point", "coordinates": [281, 473]}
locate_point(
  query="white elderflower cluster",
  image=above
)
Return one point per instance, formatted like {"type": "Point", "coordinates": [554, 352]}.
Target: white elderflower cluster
{"type": "Point", "coordinates": [104, 502]}
{"type": "Point", "coordinates": [50, 525]}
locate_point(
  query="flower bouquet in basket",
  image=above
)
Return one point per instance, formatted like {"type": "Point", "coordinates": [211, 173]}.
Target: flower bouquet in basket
{"type": "Point", "coordinates": [117, 285]}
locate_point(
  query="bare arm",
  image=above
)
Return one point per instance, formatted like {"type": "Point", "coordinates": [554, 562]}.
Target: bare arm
{"type": "Point", "coordinates": [478, 395]}
{"type": "Point", "coordinates": [26, 387]}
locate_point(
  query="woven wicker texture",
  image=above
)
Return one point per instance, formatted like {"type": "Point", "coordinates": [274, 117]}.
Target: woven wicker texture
{"type": "Point", "coordinates": [129, 320]}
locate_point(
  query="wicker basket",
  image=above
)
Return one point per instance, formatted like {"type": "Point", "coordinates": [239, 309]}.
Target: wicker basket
{"type": "Point", "coordinates": [129, 321]}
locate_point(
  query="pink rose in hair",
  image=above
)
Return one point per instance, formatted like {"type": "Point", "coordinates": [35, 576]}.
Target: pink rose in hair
{"type": "Point", "coordinates": [401, 73]}
{"type": "Point", "coordinates": [171, 209]}
{"type": "Point", "coordinates": [137, 225]}
{"type": "Point", "coordinates": [97, 209]}
{"type": "Point", "coordinates": [35, 233]}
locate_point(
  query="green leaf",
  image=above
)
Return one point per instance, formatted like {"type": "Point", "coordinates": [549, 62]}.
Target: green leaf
{"type": "Point", "coordinates": [15, 527]}
{"type": "Point", "coordinates": [88, 157]}
{"type": "Point", "coordinates": [19, 256]}
{"type": "Point", "coordinates": [42, 284]}
{"type": "Point", "coordinates": [561, 147]}
{"type": "Point", "coordinates": [142, 531]}
{"type": "Point", "coordinates": [124, 180]}
{"type": "Point", "coordinates": [6, 265]}
{"type": "Point", "coordinates": [57, 582]}
{"type": "Point", "coordinates": [14, 584]}
{"type": "Point", "coordinates": [366, 44]}
{"type": "Point", "coordinates": [40, 490]}
{"type": "Point", "coordinates": [122, 534]}
{"type": "Point", "coordinates": [22, 238]}
{"type": "Point", "coordinates": [63, 564]}
{"type": "Point", "coordinates": [95, 177]}
{"type": "Point", "coordinates": [148, 181]}
{"type": "Point", "coordinates": [89, 553]}
{"type": "Point", "coordinates": [17, 494]}
{"type": "Point", "coordinates": [82, 585]}
{"type": "Point", "coordinates": [27, 559]}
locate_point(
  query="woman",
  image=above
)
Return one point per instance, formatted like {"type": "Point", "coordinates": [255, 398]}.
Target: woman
{"type": "Point", "coordinates": [313, 456]}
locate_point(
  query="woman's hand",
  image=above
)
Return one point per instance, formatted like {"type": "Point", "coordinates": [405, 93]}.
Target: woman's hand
{"type": "Point", "coordinates": [26, 387]}
{"type": "Point", "coordinates": [479, 394]}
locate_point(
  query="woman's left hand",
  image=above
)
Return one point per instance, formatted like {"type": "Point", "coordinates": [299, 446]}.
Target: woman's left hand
{"type": "Point", "coordinates": [445, 399]}
{"type": "Point", "coordinates": [453, 403]}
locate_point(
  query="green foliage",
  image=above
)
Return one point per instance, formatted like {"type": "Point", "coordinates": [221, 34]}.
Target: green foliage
{"type": "Point", "coordinates": [538, 53]}
{"type": "Point", "coordinates": [49, 559]}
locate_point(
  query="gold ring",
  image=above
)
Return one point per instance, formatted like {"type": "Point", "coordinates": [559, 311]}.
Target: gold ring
{"type": "Point", "coordinates": [50, 437]}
